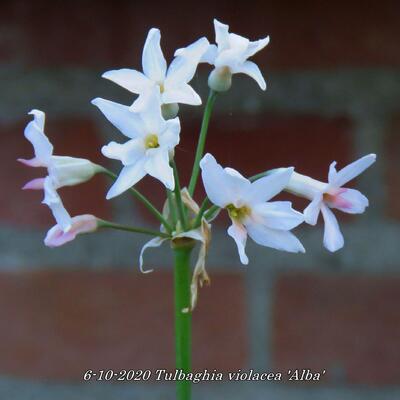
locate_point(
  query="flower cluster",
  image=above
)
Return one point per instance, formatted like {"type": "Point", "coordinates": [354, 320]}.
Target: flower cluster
{"type": "Point", "coordinates": [152, 127]}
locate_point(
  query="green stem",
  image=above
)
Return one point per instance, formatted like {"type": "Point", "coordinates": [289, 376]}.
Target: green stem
{"type": "Point", "coordinates": [210, 212]}
{"type": "Point", "coordinates": [108, 224]}
{"type": "Point", "coordinates": [172, 207]}
{"type": "Point", "coordinates": [183, 317]}
{"type": "Point", "coordinates": [203, 208]}
{"type": "Point", "coordinates": [202, 140]}
{"type": "Point", "coordinates": [144, 200]}
{"type": "Point", "coordinates": [178, 198]}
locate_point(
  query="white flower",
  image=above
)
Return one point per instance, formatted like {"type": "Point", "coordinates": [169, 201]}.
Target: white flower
{"type": "Point", "coordinates": [172, 83]}
{"type": "Point", "coordinates": [64, 171]}
{"type": "Point", "coordinates": [230, 56]}
{"type": "Point", "coordinates": [267, 223]}
{"type": "Point", "coordinates": [332, 195]}
{"type": "Point", "coordinates": [56, 236]}
{"type": "Point", "coordinates": [151, 140]}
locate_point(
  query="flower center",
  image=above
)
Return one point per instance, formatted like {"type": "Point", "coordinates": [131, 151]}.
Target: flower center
{"type": "Point", "coordinates": [161, 86]}
{"type": "Point", "coordinates": [336, 200]}
{"type": "Point", "coordinates": [328, 198]}
{"type": "Point", "coordinates": [151, 141]}
{"type": "Point", "coordinates": [238, 213]}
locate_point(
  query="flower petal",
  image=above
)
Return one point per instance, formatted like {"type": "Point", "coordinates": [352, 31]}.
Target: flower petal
{"type": "Point", "coordinates": [210, 55]}
{"type": "Point", "coordinates": [80, 224]}
{"type": "Point", "coordinates": [239, 234]}
{"type": "Point", "coordinates": [338, 179]}
{"type": "Point", "coordinates": [33, 162]}
{"type": "Point", "coordinates": [311, 212]}
{"type": "Point", "coordinates": [155, 242]}
{"type": "Point", "coordinates": [142, 101]}
{"type": "Point", "coordinates": [170, 137]}
{"type": "Point", "coordinates": [128, 122]}
{"type": "Point", "coordinates": [53, 201]}
{"type": "Point", "coordinates": [277, 215]}
{"type": "Point", "coordinates": [151, 114]}
{"type": "Point", "coordinates": [274, 238]}
{"type": "Point", "coordinates": [34, 133]}
{"type": "Point", "coordinates": [130, 79]}
{"type": "Point", "coordinates": [35, 184]}
{"type": "Point", "coordinates": [223, 186]}
{"type": "Point", "coordinates": [269, 186]}
{"type": "Point", "coordinates": [256, 46]}
{"type": "Point", "coordinates": [350, 201]}
{"type": "Point", "coordinates": [333, 238]}
{"type": "Point", "coordinates": [128, 153]}
{"type": "Point", "coordinates": [238, 42]}
{"type": "Point", "coordinates": [153, 61]}
{"type": "Point", "coordinates": [181, 94]}
{"type": "Point", "coordinates": [251, 69]}
{"type": "Point", "coordinates": [128, 176]}
{"type": "Point", "coordinates": [183, 67]}
{"type": "Point", "coordinates": [157, 165]}
{"type": "Point", "coordinates": [221, 35]}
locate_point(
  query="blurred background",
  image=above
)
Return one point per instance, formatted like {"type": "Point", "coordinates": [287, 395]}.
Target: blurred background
{"type": "Point", "coordinates": [333, 77]}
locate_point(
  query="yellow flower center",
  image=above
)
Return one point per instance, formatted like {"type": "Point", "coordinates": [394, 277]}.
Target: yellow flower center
{"type": "Point", "coordinates": [162, 88]}
{"type": "Point", "coordinates": [151, 141]}
{"type": "Point", "coordinates": [238, 213]}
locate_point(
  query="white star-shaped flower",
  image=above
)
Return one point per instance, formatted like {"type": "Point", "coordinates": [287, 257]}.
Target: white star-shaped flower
{"type": "Point", "coordinates": [172, 82]}
{"type": "Point", "coordinates": [329, 195]}
{"type": "Point", "coordinates": [267, 223]}
{"type": "Point", "coordinates": [151, 140]}
{"type": "Point", "coordinates": [230, 56]}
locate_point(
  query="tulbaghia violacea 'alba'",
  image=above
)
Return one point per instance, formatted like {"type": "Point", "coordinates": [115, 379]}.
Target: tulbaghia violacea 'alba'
{"type": "Point", "coordinates": [152, 139]}
{"type": "Point", "coordinates": [171, 83]}
{"type": "Point", "coordinates": [267, 223]}
{"type": "Point", "coordinates": [230, 56]}
{"type": "Point", "coordinates": [153, 132]}
{"type": "Point", "coordinates": [325, 196]}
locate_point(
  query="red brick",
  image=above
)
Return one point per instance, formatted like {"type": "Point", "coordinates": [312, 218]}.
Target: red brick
{"type": "Point", "coordinates": [393, 169]}
{"type": "Point", "coordinates": [70, 137]}
{"type": "Point", "coordinates": [58, 324]}
{"type": "Point", "coordinates": [307, 35]}
{"type": "Point", "coordinates": [338, 323]}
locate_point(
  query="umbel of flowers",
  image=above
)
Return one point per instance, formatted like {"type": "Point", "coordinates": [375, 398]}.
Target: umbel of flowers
{"type": "Point", "coordinates": [152, 129]}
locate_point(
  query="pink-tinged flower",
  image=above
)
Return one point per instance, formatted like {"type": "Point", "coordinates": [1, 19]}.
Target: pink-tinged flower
{"type": "Point", "coordinates": [80, 224]}
{"type": "Point", "coordinates": [325, 196]}
{"type": "Point", "coordinates": [172, 82]}
{"type": "Point", "coordinates": [267, 223]}
{"type": "Point", "coordinates": [64, 171]}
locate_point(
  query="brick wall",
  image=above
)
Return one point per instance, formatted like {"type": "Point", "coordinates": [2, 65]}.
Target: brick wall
{"type": "Point", "coordinates": [334, 94]}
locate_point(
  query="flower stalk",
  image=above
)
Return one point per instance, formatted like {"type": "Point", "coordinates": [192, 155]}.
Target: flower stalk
{"type": "Point", "coordinates": [183, 318]}
{"type": "Point", "coordinates": [144, 200]}
{"type": "Point", "coordinates": [111, 225]}
{"type": "Point", "coordinates": [178, 198]}
{"type": "Point", "coordinates": [202, 140]}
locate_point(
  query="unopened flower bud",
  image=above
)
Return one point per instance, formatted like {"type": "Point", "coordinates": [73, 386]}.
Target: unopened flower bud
{"type": "Point", "coordinates": [220, 79]}
{"type": "Point", "coordinates": [169, 111]}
